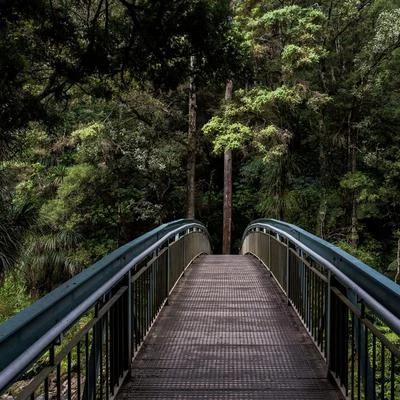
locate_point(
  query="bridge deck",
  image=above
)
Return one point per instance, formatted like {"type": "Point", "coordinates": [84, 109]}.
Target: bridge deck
{"type": "Point", "coordinates": [228, 333]}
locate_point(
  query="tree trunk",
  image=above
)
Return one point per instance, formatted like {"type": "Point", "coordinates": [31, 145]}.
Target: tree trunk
{"type": "Point", "coordinates": [323, 173]}
{"type": "Point", "coordinates": [354, 220]}
{"type": "Point", "coordinates": [191, 161]}
{"type": "Point", "coordinates": [227, 218]}
{"type": "Point", "coordinates": [352, 167]}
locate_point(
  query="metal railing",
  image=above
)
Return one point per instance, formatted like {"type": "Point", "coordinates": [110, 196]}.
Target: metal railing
{"type": "Point", "coordinates": [79, 340]}
{"type": "Point", "coordinates": [351, 311]}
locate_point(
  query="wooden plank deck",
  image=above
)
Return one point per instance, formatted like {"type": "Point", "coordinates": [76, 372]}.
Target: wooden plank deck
{"type": "Point", "coordinates": [228, 333]}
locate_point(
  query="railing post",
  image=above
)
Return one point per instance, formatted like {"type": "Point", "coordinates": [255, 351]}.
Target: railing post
{"type": "Point", "coordinates": [130, 316]}
{"type": "Point", "coordinates": [184, 254]}
{"type": "Point", "coordinates": [364, 357]}
{"type": "Point", "coordinates": [339, 332]}
{"type": "Point", "coordinates": [287, 271]}
{"type": "Point", "coordinates": [93, 367]}
{"type": "Point", "coordinates": [269, 253]}
{"type": "Point", "coordinates": [328, 321]}
{"type": "Point", "coordinates": [168, 273]}
{"type": "Point", "coordinates": [150, 301]}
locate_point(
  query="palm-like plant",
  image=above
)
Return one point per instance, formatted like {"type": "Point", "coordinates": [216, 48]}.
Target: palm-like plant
{"type": "Point", "coordinates": [46, 260]}
{"type": "Point", "coordinates": [14, 221]}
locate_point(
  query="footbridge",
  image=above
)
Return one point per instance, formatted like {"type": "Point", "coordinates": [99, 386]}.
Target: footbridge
{"type": "Point", "coordinates": [291, 317]}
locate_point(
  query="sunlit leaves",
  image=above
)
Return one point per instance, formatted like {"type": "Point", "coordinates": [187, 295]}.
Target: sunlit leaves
{"type": "Point", "coordinates": [318, 101]}
{"type": "Point", "coordinates": [226, 135]}
{"type": "Point", "coordinates": [384, 42]}
{"type": "Point", "coordinates": [288, 36]}
{"type": "Point", "coordinates": [13, 297]}
{"type": "Point", "coordinates": [387, 31]}
{"type": "Point", "coordinates": [308, 22]}
{"type": "Point", "coordinates": [295, 57]}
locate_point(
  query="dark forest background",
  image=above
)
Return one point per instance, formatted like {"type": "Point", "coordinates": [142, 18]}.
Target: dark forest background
{"type": "Point", "coordinates": [94, 144]}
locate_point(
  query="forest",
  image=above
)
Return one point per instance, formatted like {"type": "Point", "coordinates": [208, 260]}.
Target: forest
{"type": "Point", "coordinates": [114, 119]}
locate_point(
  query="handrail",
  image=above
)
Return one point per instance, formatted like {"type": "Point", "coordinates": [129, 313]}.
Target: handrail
{"type": "Point", "coordinates": [379, 291]}
{"type": "Point", "coordinates": [341, 302]}
{"type": "Point", "coordinates": [50, 316]}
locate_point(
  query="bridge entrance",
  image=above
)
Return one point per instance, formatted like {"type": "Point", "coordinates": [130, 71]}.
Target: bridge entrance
{"type": "Point", "coordinates": [228, 333]}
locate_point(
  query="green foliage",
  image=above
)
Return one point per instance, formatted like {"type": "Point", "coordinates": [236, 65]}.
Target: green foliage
{"type": "Point", "coordinates": [294, 57]}
{"type": "Point", "coordinates": [355, 181]}
{"type": "Point", "coordinates": [385, 40]}
{"type": "Point", "coordinates": [46, 262]}
{"type": "Point", "coordinates": [112, 173]}
{"type": "Point", "coordinates": [320, 120]}
{"type": "Point", "coordinates": [93, 120]}
{"type": "Point", "coordinates": [284, 39]}
{"type": "Point", "coordinates": [261, 100]}
{"type": "Point", "coordinates": [369, 252]}
{"type": "Point", "coordinates": [13, 222]}
{"type": "Point", "coordinates": [226, 135]}
{"type": "Point", "coordinates": [13, 296]}
{"type": "Point", "coordinates": [93, 106]}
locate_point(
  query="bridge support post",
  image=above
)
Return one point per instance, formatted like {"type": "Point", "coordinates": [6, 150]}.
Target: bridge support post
{"type": "Point", "coordinates": [184, 255]}
{"type": "Point", "coordinates": [134, 319]}
{"type": "Point", "coordinates": [93, 368]}
{"type": "Point", "coordinates": [287, 272]}
{"type": "Point", "coordinates": [328, 322]}
{"type": "Point", "coordinates": [130, 317]}
{"type": "Point", "coordinates": [269, 253]}
{"type": "Point", "coordinates": [167, 281]}
{"type": "Point", "coordinates": [339, 333]}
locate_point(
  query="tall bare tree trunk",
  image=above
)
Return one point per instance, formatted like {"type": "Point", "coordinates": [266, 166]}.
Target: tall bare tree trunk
{"type": "Point", "coordinates": [354, 219]}
{"type": "Point", "coordinates": [323, 177]}
{"type": "Point", "coordinates": [227, 219]}
{"type": "Point", "coordinates": [191, 161]}
{"type": "Point", "coordinates": [352, 167]}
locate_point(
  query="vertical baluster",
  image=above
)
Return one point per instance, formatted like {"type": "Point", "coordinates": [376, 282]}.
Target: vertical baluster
{"type": "Point", "coordinates": [94, 357]}
{"type": "Point", "coordinates": [78, 367]}
{"type": "Point", "coordinates": [359, 378]}
{"type": "Point", "coordinates": [113, 350]}
{"type": "Point", "coordinates": [87, 378]}
{"type": "Point", "coordinates": [352, 355]}
{"type": "Point", "coordinates": [148, 297]}
{"type": "Point", "coordinates": [129, 315]}
{"type": "Point", "coordinates": [382, 371]}
{"type": "Point", "coordinates": [321, 306]}
{"type": "Point", "coordinates": [46, 389]}
{"type": "Point", "coordinates": [305, 293]}
{"type": "Point", "coordinates": [69, 388]}
{"type": "Point", "coordinates": [153, 292]}
{"type": "Point", "coordinates": [119, 338]}
{"type": "Point", "coordinates": [135, 311]}
{"type": "Point", "coordinates": [366, 383]}
{"type": "Point", "coordinates": [142, 307]}
{"type": "Point", "coordinates": [374, 365]}
{"type": "Point", "coordinates": [392, 377]}
{"type": "Point", "coordinates": [107, 340]}
{"type": "Point", "coordinates": [101, 361]}
{"type": "Point", "coordinates": [334, 350]}
{"type": "Point", "coordinates": [58, 382]}
{"type": "Point", "coordinates": [313, 306]}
